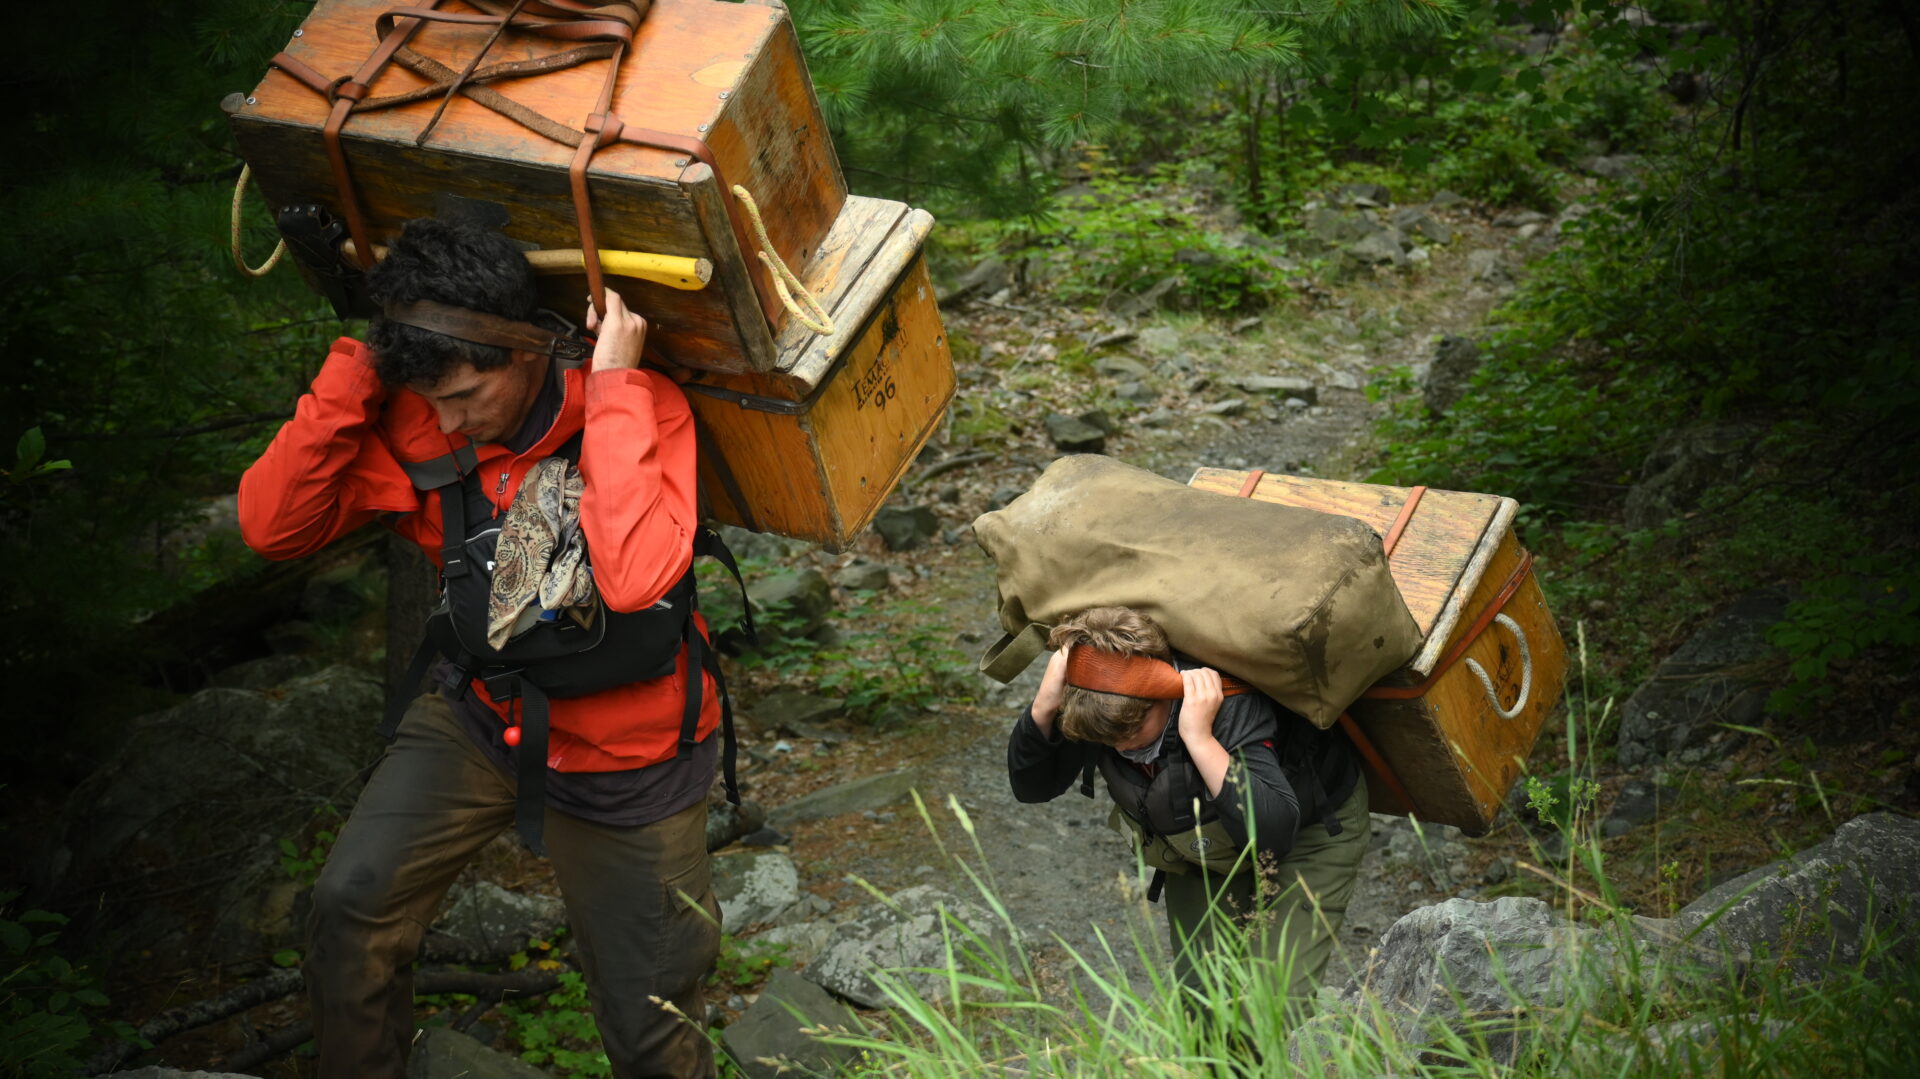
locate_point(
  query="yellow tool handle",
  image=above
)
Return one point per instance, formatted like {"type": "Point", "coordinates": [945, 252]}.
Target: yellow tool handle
{"type": "Point", "coordinates": [673, 271]}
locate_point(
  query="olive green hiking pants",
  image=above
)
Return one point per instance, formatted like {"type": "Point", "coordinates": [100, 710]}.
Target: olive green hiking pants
{"type": "Point", "coordinates": [1294, 927]}
{"type": "Point", "coordinates": [432, 803]}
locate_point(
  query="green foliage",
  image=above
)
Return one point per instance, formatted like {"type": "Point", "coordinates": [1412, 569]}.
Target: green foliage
{"type": "Point", "coordinates": [46, 1002]}
{"type": "Point", "coordinates": [1872, 602]}
{"type": "Point", "coordinates": [557, 1032]}
{"type": "Point", "coordinates": [303, 864]}
{"type": "Point", "coordinates": [1128, 233]}
{"type": "Point", "coordinates": [745, 964]}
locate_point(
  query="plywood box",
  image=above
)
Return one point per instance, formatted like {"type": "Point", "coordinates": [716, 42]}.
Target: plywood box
{"type": "Point", "coordinates": [812, 448]}
{"type": "Point", "coordinates": [729, 75]}
{"type": "Point", "coordinates": [1456, 725]}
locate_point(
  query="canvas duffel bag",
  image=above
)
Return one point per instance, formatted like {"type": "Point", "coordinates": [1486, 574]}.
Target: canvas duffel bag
{"type": "Point", "coordinates": [1298, 603]}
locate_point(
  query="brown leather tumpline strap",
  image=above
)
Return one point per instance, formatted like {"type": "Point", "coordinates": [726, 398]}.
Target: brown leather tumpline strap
{"type": "Point", "coordinates": [1400, 523]}
{"type": "Point", "coordinates": [485, 329]}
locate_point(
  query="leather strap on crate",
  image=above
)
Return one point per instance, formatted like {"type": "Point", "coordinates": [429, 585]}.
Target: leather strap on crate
{"type": "Point", "coordinates": [608, 28]}
{"type": "Point", "coordinates": [1479, 625]}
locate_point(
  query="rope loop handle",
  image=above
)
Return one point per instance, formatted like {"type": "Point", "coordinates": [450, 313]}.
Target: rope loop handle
{"type": "Point", "coordinates": [239, 260]}
{"type": "Point", "coordinates": [1526, 672]}
{"type": "Point", "coordinates": [784, 281]}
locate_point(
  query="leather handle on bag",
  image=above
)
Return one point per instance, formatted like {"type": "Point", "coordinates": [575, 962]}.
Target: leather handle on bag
{"type": "Point", "coordinates": [1012, 653]}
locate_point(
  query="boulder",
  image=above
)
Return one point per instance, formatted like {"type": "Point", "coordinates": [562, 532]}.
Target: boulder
{"type": "Point", "coordinates": [727, 822]}
{"type": "Point", "coordinates": [1683, 466]}
{"type": "Point", "coordinates": [1639, 801]}
{"type": "Point", "coordinates": [803, 595]}
{"type": "Point", "coordinates": [1099, 419]}
{"type": "Point", "coordinates": [1455, 359]}
{"type": "Point", "coordinates": [1121, 367]}
{"type": "Point", "coordinates": [864, 577]}
{"type": "Point", "coordinates": [1284, 385]}
{"type": "Point", "coordinates": [1072, 434]}
{"type": "Point", "coordinates": [1819, 909]}
{"type": "Point", "coordinates": [754, 886]}
{"type": "Point", "coordinates": [1716, 678]}
{"type": "Point", "coordinates": [1488, 266]}
{"type": "Point", "coordinates": [1614, 166]}
{"type": "Point", "coordinates": [1161, 340]}
{"type": "Point", "coordinates": [986, 278]}
{"type": "Point", "coordinates": [906, 528]}
{"type": "Point", "coordinates": [212, 785]}
{"type": "Point", "coordinates": [909, 930]}
{"type": "Point", "coordinates": [1515, 219]}
{"type": "Point", "coordinates": [772, 1038]}
{"type": "Point", "coordinates": [1360, 195]}
{"type": "Point", "coordinates": [1417, 221]}
{"type": "Point", "coordinates": [870, 792]}
{"type": "Point", "coordinates": [761, 545]}
{"type": "Point", "coordinates": [266, 672]}
{"type": "Point", "coordinates": [1462, 963]}
{"type": "Point", "coordinates": [440, 1053]}
{"type": "Point", "coordinates": [789, 710]}
{"type": "Point", "coordinates": [493, 921]}
{"type": "Point", "coordinates": [1442, 199]}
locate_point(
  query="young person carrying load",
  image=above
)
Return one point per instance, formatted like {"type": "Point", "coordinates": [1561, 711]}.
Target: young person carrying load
{"type": "Point", "coordinates": [1201, 768]}
{"type": "Point", "coordinates": [581, 700]}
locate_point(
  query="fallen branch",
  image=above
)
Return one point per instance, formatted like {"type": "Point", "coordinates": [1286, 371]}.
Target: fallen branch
{"type": "Point", "coordinates": [941, 468]}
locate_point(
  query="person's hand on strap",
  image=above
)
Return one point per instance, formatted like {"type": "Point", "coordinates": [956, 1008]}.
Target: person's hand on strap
{"type": "Point", "coordinates": [621, 336]}
{"type": "Point", "coordinates": [1052, 693]}
{"type": "Point", "coordinates": [1198, 706]}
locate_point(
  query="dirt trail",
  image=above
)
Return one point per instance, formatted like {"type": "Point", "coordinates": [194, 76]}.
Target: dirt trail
{"type": "Point", "coordinates": [1059, 869]}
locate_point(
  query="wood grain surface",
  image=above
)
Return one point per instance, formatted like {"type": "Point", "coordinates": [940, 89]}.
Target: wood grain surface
{"type": "Point", "coordinates": [727, 73]}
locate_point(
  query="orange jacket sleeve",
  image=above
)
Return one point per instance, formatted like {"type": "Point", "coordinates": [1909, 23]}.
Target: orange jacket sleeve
{"type": "Point", "coordinates": [329, 470]}
{"type": "Point", "coordinates": [639, 507]}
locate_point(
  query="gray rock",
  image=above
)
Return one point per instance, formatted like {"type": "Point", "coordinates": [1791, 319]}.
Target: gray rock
{"type": "Point", "coordinates": [215, 783]}
{"type": "Point", "coordinates": [1075, 435]}
{"type": "Point", "coordinates": [790, 709]}
{"type": "Point", "coordinates": [1417, 221]}
{"type": "Point", "coordinates": [906, 528]}
{"type": "Point", "coordinates": [1135, 391]}
{"type": "Point", "coordinates": [1134, 305]}
{"type": "Point", "coordinates": [1443, 198]}
{"type": "Point", "coordinates": [498, 922]}
{"type": "Point", "coordinates": [803, 941]}
{"type": "Point", "coordinates": [1717, 677]}
{"type": "Point", "coordinates": [803, 594]}
{"type": "Point", "coordinates": [727, 822]}
{"type": "Point", "coordinates": [1488, 266]}
{"type": "Point", "coordinates": [1333, 228]}
{"type": "Point", "coordinates": [267, 672]}
{"type": "Point", "coordinates": [761, 545]}
{"type": "Point", "coordinates": [988, 276]}
{"type": "Point", "coordinates": [754, 886]}
{"type": "Point", "coordinates": [1232, 406]}
{"type": "Point", "coordinates": [872, 792]}
{"type": "Point", "coordinates": [770, 1039]}
{"type": "Point", "coordinates": [1614, 166]}
{"type": "Point", "coordinates": [1004, 495]}
{"type": "Point", "coordinates": [1099, 419]}
{"type": "Point", "coordinates": [1683, 466]}
{"type": "Point", "coordinates": [1462, 962]}
{"type": "Point", "coordinates": [1455, 359]}
{"type": "Point", "coordinates": [1161, 340]}
{"type": "Point", "coordinates": [864, 577]}
{"type": "Point", "coordinates": [342, 592]}
{"type": "Point", "coordinates": [1159, 417]}
{"type": "Point", "coordinates": [1121, 367]}
{"type": "Point", "coordinates": [1818, 909]}
{"type": "Point", "coordinates": [1513, 219]}
{"type": "Point", "coordinates": [1638, 802]}
{"type": "Point", "coordinates": [1360, 195]}
{"type": "Point", "coordinates": [1383, 247]}
{"type": "Point", "coordinates": [908, 931]}
{"type": "Point", "coordinates": [1285, 385]}
{"type": "Point", "coordinates": [440, 1053]}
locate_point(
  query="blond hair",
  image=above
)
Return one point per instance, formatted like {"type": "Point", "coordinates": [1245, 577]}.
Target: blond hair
{"type": "Point", "coordinates": [1088, 715]}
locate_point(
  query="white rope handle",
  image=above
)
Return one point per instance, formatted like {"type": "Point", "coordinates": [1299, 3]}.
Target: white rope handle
{"type": "Point", "coordinates": [1526, 672]}
{"type": "Point", "coordinates": [240, 189]}
{"type": "Point", "coordinates": [821, 323]}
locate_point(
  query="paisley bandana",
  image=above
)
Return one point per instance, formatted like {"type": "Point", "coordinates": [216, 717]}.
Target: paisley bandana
{"type": "Point", "coordinates": [540, 561]}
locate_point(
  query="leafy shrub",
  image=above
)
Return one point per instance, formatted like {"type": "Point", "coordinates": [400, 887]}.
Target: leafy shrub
{"type": "Point", "coordinates": [45, 1000]}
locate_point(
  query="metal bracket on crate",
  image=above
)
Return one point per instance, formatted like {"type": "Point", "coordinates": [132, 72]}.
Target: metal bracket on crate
{"type": "Point", "coordinates": [754, 402]}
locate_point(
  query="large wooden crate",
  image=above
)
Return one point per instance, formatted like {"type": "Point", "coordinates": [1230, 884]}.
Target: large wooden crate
{"type": "Point", "coordinates": [1455, 726]}
{"type": "Point", "coordinates": [812, 448]}
{"type": "Point", "coordinates": [728, 74]}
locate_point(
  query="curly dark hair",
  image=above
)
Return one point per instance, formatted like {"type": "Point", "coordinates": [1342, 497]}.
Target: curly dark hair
{"type": "Point", "coordinates": [447, 262]}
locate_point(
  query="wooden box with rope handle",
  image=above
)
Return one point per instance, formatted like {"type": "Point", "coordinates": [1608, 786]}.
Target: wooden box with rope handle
{"type": "Point", "coordinates": [634, 134]}
{"type": "Point", "coordinates": [812, 448]}
{"type": "Point", "coordinates": [1446, 736]}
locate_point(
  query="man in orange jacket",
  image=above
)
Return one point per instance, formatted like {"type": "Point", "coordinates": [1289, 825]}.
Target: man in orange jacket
{"type": "Point", "coordinates": [458, 395]}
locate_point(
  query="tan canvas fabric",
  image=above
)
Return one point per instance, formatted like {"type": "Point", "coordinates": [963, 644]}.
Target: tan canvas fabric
{"type": "Point", "coordinates": [1298, 603]}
